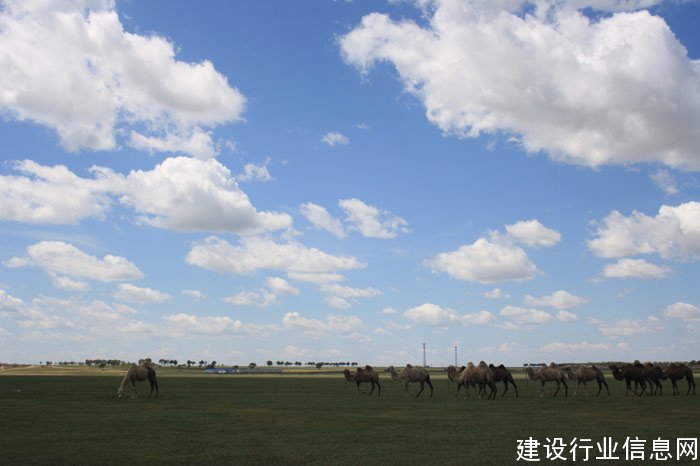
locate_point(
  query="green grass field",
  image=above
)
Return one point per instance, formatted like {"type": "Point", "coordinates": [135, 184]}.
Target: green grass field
{"type": "Point", "coordinates": [288, 419]}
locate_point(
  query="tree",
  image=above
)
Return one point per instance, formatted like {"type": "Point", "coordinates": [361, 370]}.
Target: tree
{"type": "Point", "coordinates": [319, 365]}
{"type": "Point", "coordinates": [252, 365]}
{"type": "Point", "coordinates": [269, 363]}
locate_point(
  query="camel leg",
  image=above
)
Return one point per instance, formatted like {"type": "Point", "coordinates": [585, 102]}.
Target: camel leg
{"type": "Point", "coordinates": [516, 388]}
{"type": "Point", "coordinates": [430, 385]}
{"type": "Point", "coordinates": [380, 389]}
{"type": "Point", "coordinates": [405, 390]}
{"type": "Point", "coordinates": [542, 389]}
{"type": "Point", "coordinates": [422, 386]}
{"type": "Point", "coordinates": [558, 387]}
{"type": "Point", "coordinates": [134, 393]}
{"type": "Point", "coordinates": [494, 391]}
{"type": "Point", "coordinates": [372, 390]}
{"type": "Point", "coordinates": [689, 386]}
{"type": "Point", "coordinates": [566, 387]}
{"type": "Point", "coordinates": [358, 388]}
{"type": "Point", "coordinates": [505, 382]}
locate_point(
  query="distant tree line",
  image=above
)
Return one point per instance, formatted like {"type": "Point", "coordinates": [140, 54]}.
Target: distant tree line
{"type": "Point", "coordinates": [311, 363]}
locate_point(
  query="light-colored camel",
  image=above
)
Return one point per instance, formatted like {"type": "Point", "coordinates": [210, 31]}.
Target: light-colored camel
{"type": "Point", "coordinates": [363, 375]}
{"type": "Point", "coordinates": [501, 374]}
{"type": "Point", "coordinates": [588, 374]}
{"type": "Point", "coordinates": [412, 374]}
{"type": "Point", "coordinates": [630, 373]}
{"type": "Point", "coordinates": [549, 374]}
{"type": "Point", "coordinates": [454, 375]}
{"type": "Point", "coordinates": [138, 373]}
{"type": "Point", "coordinates": [481, 375]}
{"type": "Point", "coordinates": [678, 372]}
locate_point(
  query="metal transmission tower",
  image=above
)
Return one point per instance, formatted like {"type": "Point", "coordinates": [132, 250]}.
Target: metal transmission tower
{"type": "Point", "coordinates": [424, 364]}
{"type": "Point", "coordinates": [455, 355]}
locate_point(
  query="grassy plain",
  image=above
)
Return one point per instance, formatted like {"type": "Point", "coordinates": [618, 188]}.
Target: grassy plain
{"type": "Point", "coordinates": [75, 418]}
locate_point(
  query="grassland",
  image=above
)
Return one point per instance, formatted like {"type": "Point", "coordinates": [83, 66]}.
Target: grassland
{"type": "Point", "coordinates": [75, 418]}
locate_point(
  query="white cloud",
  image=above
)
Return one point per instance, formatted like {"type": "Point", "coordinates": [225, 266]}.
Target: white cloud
{"type": "Point", "coordinates": [478, 318]}
{"type": "Point", "coordinates": [684, 311]}
{"type": "Point", "coordinates": [559, 299]}
{"type": "Point", "coordinates": [180, 193]}
{"type": "Point", "coordinates": [349, 292]}
{"type": "Point", "coordinates": [665, 181]}
{"type": "Point", "coordinates": [193, 195]}
{"type": "Point", "coordinates": [617, 89]}
{"type": "Point", "coordinates": [315, 277]}
{"type": "Point", "coordinates": [320, 218]}
{"type": "Point", "coordinates": [334, 138]}
{"type": "Point", "coordinates": [260, 298]}
{"type": "Point", "coordinates": [280, 286]}
{"type": "Point", "coordinates": [340, 325]}
{"type": "Point", "coordinates": [186, 324]}
{"type": "Point", "coordinates": [337, 302]}
{"type": "Point", "coordinates": [485, 262]}
{"type": "Point", "coordinates": [50, 195]}
{"type": "Point", "coordinates": [635, 268]}
{"type": "Point", "coordinates": [73, 67]}
{"type": "Point", "coordinates": [390, 311]}
{"type": "Point", "coordinates": [533, 234]}
{"type": "Point", "coordinates": [256, 253]}
{"type": "Point", "coordinates": [496, 293]}
{"type": "Point", "coordinates": [252, 172]}
{"type": "Point", "coordinates": [195, 294]}
{"type": "Point", "coordinates": [197, 143]}
{"type": "Point", "coordinates": [68, 284]}
{"type": "Point", "coordinates": [432, 314]}
{"type": "Point", "coordinates": [526, 317]}
{"type": "Point", "coordinates": [371, 221]}
{"type": "Point", "coordinates": [627, 327]}
{"type": "Point", "coordinates": [63, 259]}
{"type": "Point", "coordinates": [673, 233]}
{"type": "Point", "coordinates": [134, 294]}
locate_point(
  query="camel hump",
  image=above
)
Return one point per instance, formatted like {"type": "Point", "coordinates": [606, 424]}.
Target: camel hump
{"type": "Point", "coordinates": [408, 366]}
{"type": "Point", "coordinates": [482, 364]}
{"type": "Point", "coordinates": [359, 370]}
{"type": "Point", "coordinates": [368, 368]}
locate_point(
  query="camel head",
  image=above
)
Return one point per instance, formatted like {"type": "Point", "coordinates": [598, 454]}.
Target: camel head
{"type": "Point", "coordinates": [348, 375]}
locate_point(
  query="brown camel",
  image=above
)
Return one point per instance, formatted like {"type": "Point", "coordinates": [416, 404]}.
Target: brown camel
{"type": "Point", "coordinates": [630, 373]}
{"type": "Point", "coordinates": [678, 372]}
{"type": "Point", "coordinates": [138, 373]}
{"type": "Point", "coordinates": [654, 375]}
{"type": "Point", "coordinates": [412, 374]}
{"type": "Point", "coordinates": [501, 374]}
{"type": "Point", "coordinates": [588, 374]}
{"type": "Point", "coordinates": [548, 374]}
{"type": "Point", "coordinates": [482, 375]}
{"type": "Point", "coordinates": [366, 375]}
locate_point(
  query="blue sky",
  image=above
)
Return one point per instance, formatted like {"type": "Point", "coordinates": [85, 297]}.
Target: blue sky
{"type": "Point", "coordinates": [244, 181]}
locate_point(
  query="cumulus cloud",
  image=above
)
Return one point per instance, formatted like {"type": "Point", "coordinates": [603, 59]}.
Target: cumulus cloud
{"type": "Point", "coordinates": [437, 316]}
{"type": "Point", "coordinates": [533, 234]}
{"type": "Point", "coordinates": [519, 317]}
{"type": "Point", "coordinates": [559, 299]}
{"type": "Point", "coordinates": [180, 193]}
{"type": "Point", "coordinates": [134, 294]}
{"type": "Point", "coordinates": [252, 172]}
{"type": "Point", "coordinates": [635, 268]}
{"type": "Point", "coordinates": [627, 327]}
{"type": "Point", "coordinates": [615, 89]}
{"type": "Point", "coordinates": [496, 293]}
{"type": "Point", "coordinates": [340, 325]}
{"type": "Point", "coordinates": [485, 261]}
{"type": "Point", "coordinates": [320, 218]}
{"type": "Point", "coordinates": [371, 221]}
{"type": "Point", "coordinates": [333, 138]}
{"type": "Point", "coordinates": [256, 253]}
{"type": "Point", "coordinates": [260, 298]}
{"type": "Point", "coordinates": [195, 294]}
{"type": "Point", "coordinates": [72, 67]}
{"type": "Point", "coordinates": [181, 324]}
{"type": "Point", "coordinates": [65, 260]}
{"type": "Point", "coordinates": [674, 233]}
{"type": "Point", "coordinates": [684, 311]}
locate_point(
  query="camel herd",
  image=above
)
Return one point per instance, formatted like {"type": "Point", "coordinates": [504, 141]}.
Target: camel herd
{"type": "Point", "coordinates": [482, 376]}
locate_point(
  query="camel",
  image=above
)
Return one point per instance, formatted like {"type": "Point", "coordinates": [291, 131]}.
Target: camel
{"type": "Point", "coordinates": [678, 372]}
{"type": "Point", "coordinates": [630, 373]}
{"type": "Point", "coordinates": [412, 374]}
{"type": "Point", "coordinates": [501, 374]}
{"type": "Point", "coordinates": [548, 374]}
{"type": "Point", "coordinates": [366, 375]}
{"type": "Point", "coordinates": [588, 374]}
{"type": "Point", "coordinates": [138, 373]}
{"type": "Point", "coordinates": [482, 375]}
{"type": "Point", "coordinates": [654, 375]}
{"type": "Point", "coordinates": [454, 374]}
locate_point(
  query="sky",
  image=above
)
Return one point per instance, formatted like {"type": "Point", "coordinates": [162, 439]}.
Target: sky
{"type": "Point", "coordinates": [347, 180]}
